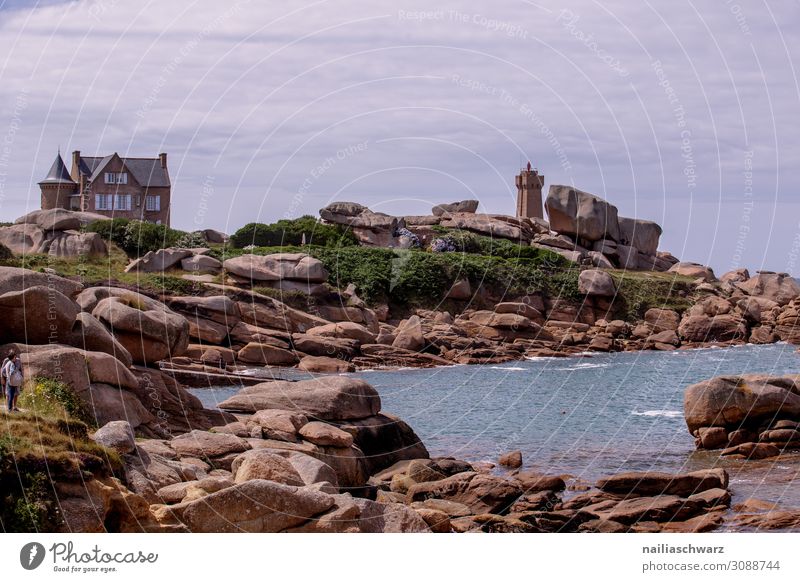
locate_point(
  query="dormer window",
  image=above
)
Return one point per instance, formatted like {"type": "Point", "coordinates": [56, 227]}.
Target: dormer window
{"type": "Point", "coordinates": [116, 177]}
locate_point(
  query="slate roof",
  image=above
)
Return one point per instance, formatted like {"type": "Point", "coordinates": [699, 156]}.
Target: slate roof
{"type": "Point", "coordinates": [58, 173]}
{"type": "Point", "coordinates": [146, 171]}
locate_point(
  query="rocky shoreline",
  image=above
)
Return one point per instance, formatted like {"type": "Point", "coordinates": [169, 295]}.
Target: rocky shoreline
{"type": "Point", "coordinates": [320, 454]}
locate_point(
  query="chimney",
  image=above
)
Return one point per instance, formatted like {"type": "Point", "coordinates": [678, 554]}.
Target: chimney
{"type": "Point", "coordinates": [163, 158]}
{"type": "Point", "coordinates": [76, 158]}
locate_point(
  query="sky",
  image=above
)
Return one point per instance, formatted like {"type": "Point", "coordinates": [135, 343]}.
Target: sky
{"type": "Point", "coordinates": [680, 112]}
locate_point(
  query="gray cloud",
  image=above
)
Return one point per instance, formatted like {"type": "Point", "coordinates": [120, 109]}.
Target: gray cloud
{"type": "Point", "coordinates": [255, 99]}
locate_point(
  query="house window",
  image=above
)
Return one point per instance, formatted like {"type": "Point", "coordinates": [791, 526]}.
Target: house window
{"type": "Point", "coordinates": [153, 203]}
{"type": "Point", "coordinates": [102, 202]}
{"type": "Point", "coordinates": [116, 177]}
{"type": "Point", "coordinates": [122, 202]}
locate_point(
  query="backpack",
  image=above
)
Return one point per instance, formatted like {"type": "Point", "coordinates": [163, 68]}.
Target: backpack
{"type": "Point", "coordinates": [13, 373]}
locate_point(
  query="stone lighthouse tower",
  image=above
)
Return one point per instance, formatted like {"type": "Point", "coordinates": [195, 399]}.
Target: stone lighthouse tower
{"type": "Point", "coordinates": [529, 193]}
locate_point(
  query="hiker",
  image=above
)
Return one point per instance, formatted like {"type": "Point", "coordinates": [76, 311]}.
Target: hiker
{"type": "Point", "coordinates": [12, 379]}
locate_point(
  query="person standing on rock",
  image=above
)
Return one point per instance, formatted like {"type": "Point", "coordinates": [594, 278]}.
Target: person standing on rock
{"type": "Point", "coordinates": [12, 379]}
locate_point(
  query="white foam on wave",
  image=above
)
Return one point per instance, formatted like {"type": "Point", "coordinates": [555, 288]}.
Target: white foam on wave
{"type": "Point", "coordinates": [665, 413]}
{"type": "Point", "coordinates": [509, 368]}
{"type": "Point", "coordinates": [586, 365]}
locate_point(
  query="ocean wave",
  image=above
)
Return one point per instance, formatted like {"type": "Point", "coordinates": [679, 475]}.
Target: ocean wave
{"type": "Point", "coordinates": [508, 369]}
{"type": "Point", "coordinates": [664, 413]}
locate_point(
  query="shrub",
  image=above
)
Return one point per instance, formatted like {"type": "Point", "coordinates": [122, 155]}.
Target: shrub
{"type": "Point", "coordinates": [191, 240]}
{"type": "Point", "coordinates": [290, 232]}
{"type": "Point", "coordinates": [141, 237]}
{"type": "Point", "coordinates": [113, 230]}
{"type": "Point", "coordinates": [50, 397]}
{"type": "Point", "coordinates": [138, 237]}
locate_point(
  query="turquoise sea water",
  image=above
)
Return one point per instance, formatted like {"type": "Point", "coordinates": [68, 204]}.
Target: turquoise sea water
{"type": "Point", "coordinates": [583, 416]}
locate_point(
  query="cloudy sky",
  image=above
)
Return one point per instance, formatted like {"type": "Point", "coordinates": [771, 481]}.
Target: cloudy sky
{"type": "Point", "coordinates": [680, 112]}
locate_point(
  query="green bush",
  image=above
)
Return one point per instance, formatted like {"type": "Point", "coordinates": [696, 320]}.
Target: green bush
{"type": "Point", "coordinates": [137, 237]}
{"type": "Point", "coordinates": [469, 242]}
{"type": "Point", "coordinates": [50, 397]}
{"type": "Point", "coordinates": [113, 230]}
{"type": "Point", "coordinates": [640, 291]}
{"type": "Point", "coordinates": [191, 240]}
{"type": "Point", "coordinates": [141, 237]}
{"type": "Point", "coordinates": [421, 278]}
{"type": "Point", "coordinates": [290, 232]}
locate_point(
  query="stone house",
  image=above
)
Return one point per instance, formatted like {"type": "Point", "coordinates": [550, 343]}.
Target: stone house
{"type": "Point", "coordinates": [135, 188]}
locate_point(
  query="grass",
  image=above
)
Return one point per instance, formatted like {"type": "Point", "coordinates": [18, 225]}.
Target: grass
{"type": "Point", "coordinates": [421, 278]}
{"type": "Point", "coordinates": [401, 278]}
{"type": "Point", "coordinates": [643, 290]}
{"type": "Point", "coordinates": [106, 271]}
{"type": "Point", "coordinates": [45, 444]}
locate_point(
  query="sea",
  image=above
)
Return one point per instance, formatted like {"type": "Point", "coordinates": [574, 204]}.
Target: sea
{"type": "Point", "coordinates": [583, 417]}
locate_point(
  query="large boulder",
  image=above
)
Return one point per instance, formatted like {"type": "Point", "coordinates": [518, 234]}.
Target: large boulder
{"type": "Point", "coordinates": [17, 279]}
{"type": "Point", "coordinates": [117, 435]}
{"type": "Point", "coordinates": [203, 444]}
{"type": "Point", "coordinates": [596, 283]}
{"type": "Point", "coordinates": [465, 206]}
{"type": "Point", "coordinates": [37, 315]}
{"type": "Point", "coordinates": [654, 483]}
{"type": "Point", "coordinates": [482, 493]}
{"type": "Point", "coordinates": [720, 328]}
{"type": "Point", "coordinates": [325, 398]}
{"type": "Point", "coordinates": [660, 319]}
{"type": "Point", "coordinates": [733, 402]}
{"type": "Point", "coordinates": [325, 346]}
{"type": "Point", "coordinates": [693, 270]}
{"type": "Point", "coordinates": [201, 264]}
{"type": "Point", "coordinates": [60, 219]}
{"type": "Point", "coordinates": [343, 329]}
{"type": "Point", "coordinates": [256, 506]}
{"type": "Point", "coordinates": [266, 355]}
{"type": "Point", "coordinates": [358, 216]}
{"type": "Point", "coordinates": [158, 261]}
{"type": "Point", "coordinates": [88, 333]}
{"type": "Point", "coordinates": [32, 239]}
{"type": "Point", "coordinates": [277, 267]}
{"type": "Point", "coordinates": [325, 365]}
{"type": "Point", "coordinates": [148, 330]}
{"type": "Point", "coordinates": [778, 287]}
{"type": "Point", "coordinates": [385, 440]}
{"type": "Point", "coordinates": [409, 334]}
{"type": "Point", "coordinates": [489, 225]}
{"type": "Point", "coordinates": [72, 243]}
{"type": "Point", "coordinates": [640, 234]}
{"type": "Point", "coordinates": [580, 214]}
{"type": "Point", "coordinates": [264, 464]}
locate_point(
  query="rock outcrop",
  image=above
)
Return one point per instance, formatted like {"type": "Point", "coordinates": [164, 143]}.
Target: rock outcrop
{"type": "Point", "coordinates": [55, 232]}
{"type": "Point", "coordinates": [751, 416]}
{"type": "Point", "coordinates": [370, 228]}
{"type": "Point", "coordinates": [581, 215]}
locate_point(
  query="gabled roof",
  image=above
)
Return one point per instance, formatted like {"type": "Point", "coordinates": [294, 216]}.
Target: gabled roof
{"type": "Point", "coordinates": [58, 173]}
{"type": "Point", "coordinates": [146, 171]}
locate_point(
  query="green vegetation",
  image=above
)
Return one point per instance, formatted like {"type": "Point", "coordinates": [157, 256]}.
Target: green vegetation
{"type": "Point", "coordinates": [47, 444]}
{"type": "Point", "coordinates": [642, 290]}
{"type": "Point", "coordinates": [290, 232]}
{"type": "Point", "coordinates": [105, 271]}
{"type": "Point", "coordinates": [54, 399]}
{"type": "Point", "coordinates": [422, 278]}
{"type": "Point", "coordinates": [137, 237]}
{"type": "Point", "coordinates": [469, 242]}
